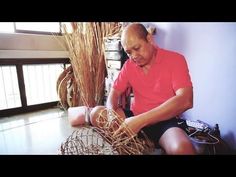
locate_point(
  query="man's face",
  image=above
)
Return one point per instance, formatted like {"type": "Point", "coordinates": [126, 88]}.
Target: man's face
{"type": "Point", "coordinates": [139, 50]}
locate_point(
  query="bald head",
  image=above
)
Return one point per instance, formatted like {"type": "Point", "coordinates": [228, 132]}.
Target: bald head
{"type": "Point", "coordinates": [138, 44]}
{"type": "Point", "coordinates": [135, 29]}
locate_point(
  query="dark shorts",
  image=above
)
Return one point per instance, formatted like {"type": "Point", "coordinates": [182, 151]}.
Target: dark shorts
{"type": "Point", "coordinates": [154, 132]}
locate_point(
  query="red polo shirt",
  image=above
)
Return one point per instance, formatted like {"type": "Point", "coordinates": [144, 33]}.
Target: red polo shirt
{"type": "Point", "coordinates": [168, 73]}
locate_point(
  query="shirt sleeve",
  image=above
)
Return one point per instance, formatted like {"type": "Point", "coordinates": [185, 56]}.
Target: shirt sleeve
{"type": "Point", "coordinates": [121, 83]}
{"type": "Point", "coordinates": [180, 74]}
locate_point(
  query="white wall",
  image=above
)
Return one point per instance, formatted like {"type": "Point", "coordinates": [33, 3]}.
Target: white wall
{"type": "Point", "coordinates": [210, 51]}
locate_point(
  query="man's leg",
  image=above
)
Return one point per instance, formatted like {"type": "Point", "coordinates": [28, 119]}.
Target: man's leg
{"type": "Point", "coordinates": [76, 115]}
{"type": "Point", "coordinates": [176, 141]}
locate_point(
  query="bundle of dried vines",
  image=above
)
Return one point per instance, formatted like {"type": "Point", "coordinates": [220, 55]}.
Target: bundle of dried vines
{"type": "Point", "coordinates": [101, 140]}
{"type": "Point", "coordinates": [86, 52]}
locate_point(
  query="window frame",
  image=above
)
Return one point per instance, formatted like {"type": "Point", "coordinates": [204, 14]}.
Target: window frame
{"type": "Point", "coordinates": [20, 77]}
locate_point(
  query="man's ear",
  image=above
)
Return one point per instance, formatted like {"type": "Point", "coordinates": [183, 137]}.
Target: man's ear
{"type": "Point", "coordinates": [150, 38]}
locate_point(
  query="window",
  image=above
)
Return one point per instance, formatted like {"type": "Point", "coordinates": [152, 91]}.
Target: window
{"type": "Point", "coordinates": [7, 27]}
{"type": "Point", "coordinates": [40, 82]}
{"type": "Point", "coordinates": [29, 84]}
{"type": "Point", "coordinates": [31, 27]}
{"type": "Point", "coordinates": [42, 27]}
{"type": "Point", "coordinates": [9, 90]}
{"type": "Point", "coordinates": [68, 27]}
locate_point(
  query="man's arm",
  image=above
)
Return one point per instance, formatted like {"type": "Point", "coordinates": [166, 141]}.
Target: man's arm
{"type": "Point", "coordinates": [112, 100]}
{"type": "Point", "coordinates": [171, 108]}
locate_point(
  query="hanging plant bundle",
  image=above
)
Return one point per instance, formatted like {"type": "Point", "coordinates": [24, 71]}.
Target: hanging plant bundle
{"type": "Point", "coordinates": [86, 52]}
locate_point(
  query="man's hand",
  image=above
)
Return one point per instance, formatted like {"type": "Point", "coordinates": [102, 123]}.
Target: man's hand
{"type": "Point", "coordinates": [130, 123]}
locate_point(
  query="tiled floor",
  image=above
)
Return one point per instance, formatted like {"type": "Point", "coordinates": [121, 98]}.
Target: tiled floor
{"type": "Point", "coordinates": [38, 133]}
{"type": "Point", "coordinates": [41, 132]}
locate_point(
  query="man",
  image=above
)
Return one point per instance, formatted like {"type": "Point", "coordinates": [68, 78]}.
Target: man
{"type": "Point", "coordinates": [162, 90]}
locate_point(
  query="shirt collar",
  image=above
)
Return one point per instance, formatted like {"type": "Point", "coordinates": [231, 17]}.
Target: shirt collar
{"type": "Point", "coordinates": [156, 60]}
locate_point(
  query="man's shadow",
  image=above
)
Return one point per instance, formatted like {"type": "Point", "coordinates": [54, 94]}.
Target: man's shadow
{"type": "Point", "coordinates": [231, 142]}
